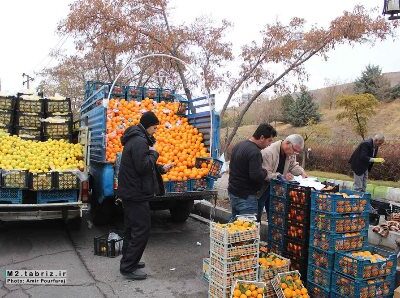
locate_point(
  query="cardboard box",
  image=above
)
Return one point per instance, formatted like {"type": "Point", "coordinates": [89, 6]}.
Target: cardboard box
{"type": "Point", "coordinates": [397, 293]}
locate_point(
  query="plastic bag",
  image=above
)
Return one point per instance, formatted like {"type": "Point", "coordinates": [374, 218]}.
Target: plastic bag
{"type": "Point", "coordinates": [118, 242]}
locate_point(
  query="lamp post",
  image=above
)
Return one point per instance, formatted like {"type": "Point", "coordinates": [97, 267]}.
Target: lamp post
{"type": "Point", "coordinates": [392, 8]}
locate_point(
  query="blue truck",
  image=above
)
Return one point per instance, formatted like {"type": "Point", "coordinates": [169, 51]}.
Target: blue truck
{"type": "Point", "coordinates": [103, 201]}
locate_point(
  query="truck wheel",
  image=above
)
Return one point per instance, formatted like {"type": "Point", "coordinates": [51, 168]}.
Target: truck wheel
{"type": "Point", "coordinates": [74, 224]}
{"type": "Point", "coordinates": [181, 211]}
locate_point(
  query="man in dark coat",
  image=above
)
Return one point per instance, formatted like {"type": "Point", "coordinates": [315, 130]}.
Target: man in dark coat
{"type": "Point", "coordinates": [363, 159]}
{"type": "Point", "coordinates": [139, 180]}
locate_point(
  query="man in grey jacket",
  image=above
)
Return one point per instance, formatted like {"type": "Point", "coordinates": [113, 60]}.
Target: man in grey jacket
{"type": "Point", "coordinates": [279, 159]}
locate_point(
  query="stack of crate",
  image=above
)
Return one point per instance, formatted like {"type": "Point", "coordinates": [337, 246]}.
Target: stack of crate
{"type": "Point", "coordinates": [7, 104]}
{"type": "Point", "coordinates": [28, 117]}
{"type": "Point", "coordinates": [339, 223]}
{"type": "Point", "coordinates": [233, 255]}
{"type": "Point", "coordinates": [59, 120]}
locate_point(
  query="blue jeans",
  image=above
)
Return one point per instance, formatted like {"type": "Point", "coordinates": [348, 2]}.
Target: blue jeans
{"type": "Point", "coordinates": [241, 206]}
{"type": "Point", "coordinates": [263, 201]}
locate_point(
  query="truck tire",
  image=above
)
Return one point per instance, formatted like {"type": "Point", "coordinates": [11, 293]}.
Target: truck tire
{"type": "Point", "coordinates": [74, 224]}
{"type": "Point", "coordinates": [181, 211]}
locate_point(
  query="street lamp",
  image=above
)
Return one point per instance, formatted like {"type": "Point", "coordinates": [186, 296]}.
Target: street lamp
{"type": "Point", "coordinates": [392, 8]}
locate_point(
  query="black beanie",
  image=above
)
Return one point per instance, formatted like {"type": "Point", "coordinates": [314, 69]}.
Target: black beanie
{"type": "Point", "coordinates": [149, 119]}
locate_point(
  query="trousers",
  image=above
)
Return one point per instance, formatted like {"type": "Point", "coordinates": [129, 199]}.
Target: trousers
{"type": "Point", "coordinates": [137, 222]}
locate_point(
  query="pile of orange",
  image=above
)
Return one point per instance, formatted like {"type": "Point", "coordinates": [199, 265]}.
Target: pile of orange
{"type": "Point", "coordinates": [293, 287]}
{"type": "Point", "coordinates": [247, 289]}
{"type": "Point", "coordinates": [178, 142]}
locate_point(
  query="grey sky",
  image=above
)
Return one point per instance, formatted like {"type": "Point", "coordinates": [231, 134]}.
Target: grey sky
{"type": "Point", "coordinates": [27, 30]}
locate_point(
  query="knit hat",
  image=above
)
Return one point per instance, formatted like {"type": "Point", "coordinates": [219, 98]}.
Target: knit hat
{"type": "Point", "coordinates": [149, 119]}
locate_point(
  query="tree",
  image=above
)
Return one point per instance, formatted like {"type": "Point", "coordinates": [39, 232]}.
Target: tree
{"type": "Point", "coordinates": [373, 82]}
{"type": "Point", "coordinates": [395, 92]}
{"type": "Point", "coordinates": [358, 108]}
{"type": "Point", "coordinates": [304, 110]}
{"type": "Point", "coordinates": [287, 104]}
{"type": "Point", "coordinates": [331, 92]}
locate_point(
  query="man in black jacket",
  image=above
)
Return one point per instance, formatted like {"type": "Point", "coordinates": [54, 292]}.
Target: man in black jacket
{"type": "Point", "coordinates": [246, 175]}
{"type": "Point", "coordinates": [139, 180]}
{"type": "Point", "coordinates": [363, 159]}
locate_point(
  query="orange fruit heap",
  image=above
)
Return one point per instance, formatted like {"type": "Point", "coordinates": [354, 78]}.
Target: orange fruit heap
{"type": "Point", "coordinates": [178, 142]}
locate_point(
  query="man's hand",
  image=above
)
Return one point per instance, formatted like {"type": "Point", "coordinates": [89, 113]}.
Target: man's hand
{"type": "Point", "coordinates": [168, 167]}
{"type": "Point", "coordinates": [378, 160]}
{"type": "Point", "coordinates": [289, 176]}
{"type": "Point", "coordinates": [304, 175]}
{"type": "Point", "coordinates": [152, 148]}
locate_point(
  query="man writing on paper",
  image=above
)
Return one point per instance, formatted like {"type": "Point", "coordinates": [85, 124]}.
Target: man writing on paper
{"type": "Point", "coordinates": [279, 159]}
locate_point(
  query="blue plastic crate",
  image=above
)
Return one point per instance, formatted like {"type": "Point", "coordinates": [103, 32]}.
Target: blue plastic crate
{"type": "Point", "coordinates": [336, 204]}
{"type": "Point", "coordinates": [11, 196]}
{"type": "Point", "coordinates": [344, 286]}
{"type": "Point", "coordinates": [321, 258]}
{"type": "Point", "coordinates": [134, 93]}
{"type": "Point", "coordinates": [205, 183]}
{"type": "Point", "coordinates": [179, 186]}
{"type": "Point", "coordinates": [316, 291]}
{"type": "Point", "coordinates": [277, 219]}
{"type": "Point", "coordinates": [319, 276]}
{"type": "Point", "coordinates": [298, 231]}
{"type": "Point", "coordinates": [334, 242]}
{"type": "Point", "coordinates": [362, 268]}
{"type": "Point", "coordinates": [57, 196]}
{"type": "Point", "coordinates": [279, 188]}
{"type": "Point", "coordinates": [277, 205]}
{"type": "Point", "coordinates": [346, 223]}
{"type": "Point", "coordinates": [151, 93]}
{"type": "Point", "coordinates": [167, 186]}
{"type": "Point", "coordinates": [276, 235]}
{"type": "Point", "coordinates": [165, 94]}
{"type": "Point", "coordinates": [214, 165]}
{"type": "Point", "coordinates": [298, 215]}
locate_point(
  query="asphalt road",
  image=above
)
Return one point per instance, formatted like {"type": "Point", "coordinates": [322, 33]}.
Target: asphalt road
{"type": "Point", "coordinates": [173, 260]}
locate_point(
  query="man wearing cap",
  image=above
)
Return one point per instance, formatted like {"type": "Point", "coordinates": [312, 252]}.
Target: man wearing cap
{"type": "Point", "coordinates": [139, 180]}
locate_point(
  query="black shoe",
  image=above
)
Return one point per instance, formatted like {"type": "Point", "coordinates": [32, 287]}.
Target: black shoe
{"type": "Point", "coordinates": [141, 264]}
{"type": "Point", "coordinates": [135, 275]}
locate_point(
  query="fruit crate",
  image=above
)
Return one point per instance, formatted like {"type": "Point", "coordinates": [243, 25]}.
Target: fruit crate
{"type": "Point", "coordinates": [201, 184]}
{"type": "Point", "coordinates": [270, 273]}
{"type": "Point", "coordinates": [344, 286]}
{"type": "Point", "coordinates": [7, 103]}
{"type": "Point", "coordinates": [227, 279]}
{"type": "Point", "coordinates": [215, 290]}
{"type": "Point", "coordinates": [223, 236]}
{"type": "Point", "coordinates": [276, 247]}
{"type": "Point", "coordinates": [214, 165]}
{"type": "Point", "coordinates": [277, 219]}
{"type": "Point", "coordinates": [57, 129]}
{"type": "Point", "coordinates": [66, 180]}
{"type": "Point", "coordinates": [296, 248]}
{"type": "Point", "coordinates": [321, 258]}
{"type": "Point", "coordinates": [361, 267]}
{"type": "Point", "coordinates": [41, 181]}
{"type": "Point", "coordinates": [319, 276]}
{"type": "Point", "coordinates": [269, 290]}
{"type": "Point", "coordinates": [134, 93]}
{"type": "Point", "coordinates": [233, 250]}
{"type": "Point", "coordinates": [67, 138]}
{"type": "Point", "coordinates": [298, 214]}
{"type": "Point", "coordinates": [151, 93]}
{"type": "Point", "coordinates": [6, 118]}
{"type": "Point", "coordinates": [108, 248]}
{"type": "Point", "coordinates": [235, 264]}
{"type": "Point", "coordinates": [11, 196]}
{"type": "Point", "coordinates": [57, 196]}
{"type": "Point", "coordinates": [30, 106]}
{"type": "Point", "coordinates": [276, 234]}
{"type": "Point", "coordinates": [244, 285]}
{"type": "Point", "coordinates": [62, 117]}
{"type": "Point", "coordinates": [301, 195]}
{"type": "Point", "coordinates": [179, 186]}
{"type": "Point", "coordinates": [182, 108]}
{"type": "Point", "coordinates": [299, 264]}
{"type": "Point", "coordinates": [297, 231]}
{"type": "Point", "coordinates": [29, 120]}
{"type": "Point", "coordinates": [279, 188]}
{"type": "Point", "coordinates": [15, 179]}
{"type": "Point", "coordinates": [334, 242]}
{"type": "Point", "coordinates": [166, 94]}
{"type": "Point", "coordinates": [6, 128]}
{"type": "Point", "coordinates": [316, 291]}
{"type": "Point", "coordinates": [276, 282]}
{"type": "Point", "coordinates": [277, 205]}
{"type": "Point", "coordinates": [28, 132]}
{"type": "Point", "coordinates": [58, 106]}
{"type": "Point", "coordinates": [346, 202]}
{"type": "Point", "coordinates": [348, 223]}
